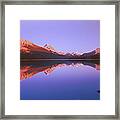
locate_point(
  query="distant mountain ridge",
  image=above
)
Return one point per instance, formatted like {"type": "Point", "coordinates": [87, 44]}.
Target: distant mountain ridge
{"type": "Point", "coordinates": [28, 50]}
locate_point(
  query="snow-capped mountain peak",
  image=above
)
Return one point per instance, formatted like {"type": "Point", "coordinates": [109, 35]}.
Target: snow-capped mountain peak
{"type": "Point", "coordinates": [49, 47]}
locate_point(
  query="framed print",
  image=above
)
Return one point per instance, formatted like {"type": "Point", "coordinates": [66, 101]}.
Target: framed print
{"type": "Point", "coordinates": [59, 59]}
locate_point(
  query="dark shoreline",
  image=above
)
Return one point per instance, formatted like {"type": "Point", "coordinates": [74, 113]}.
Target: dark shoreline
{"type": "Point", "coordinates": [49, 62]}
{"type": "Point", "coordinates": [59, 60]}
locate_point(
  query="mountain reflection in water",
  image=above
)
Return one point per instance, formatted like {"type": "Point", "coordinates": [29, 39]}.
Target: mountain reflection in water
{"type": "Point", "coordinates": [60, 80]}
{"type": "Point", "coordinates": [30, 68]}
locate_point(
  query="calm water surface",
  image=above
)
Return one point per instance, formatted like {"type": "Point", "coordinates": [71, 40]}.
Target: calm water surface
{"type": "Point", "coordinates": [60, 80]}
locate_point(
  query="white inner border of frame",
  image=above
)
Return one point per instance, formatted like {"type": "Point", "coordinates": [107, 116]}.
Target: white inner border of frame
{"type": "Point", "coordinates": [13, 15]}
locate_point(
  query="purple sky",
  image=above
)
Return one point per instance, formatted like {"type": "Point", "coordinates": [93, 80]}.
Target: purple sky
{"type": "Point", "coordinates": [64, 35]}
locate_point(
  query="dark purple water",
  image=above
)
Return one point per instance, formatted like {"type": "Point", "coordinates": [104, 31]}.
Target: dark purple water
{"type": "Point", "coordinates": [64, 82]}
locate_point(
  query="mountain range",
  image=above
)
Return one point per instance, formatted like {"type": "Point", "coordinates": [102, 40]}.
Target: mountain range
{"type": "Point", "coordinates": [29, 50]}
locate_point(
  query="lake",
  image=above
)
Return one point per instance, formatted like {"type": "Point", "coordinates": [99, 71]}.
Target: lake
{"type": "Point", "coordinates": [60, 80]}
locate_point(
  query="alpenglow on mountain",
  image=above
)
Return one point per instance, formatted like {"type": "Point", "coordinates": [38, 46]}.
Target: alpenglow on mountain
{"type": "Point", "coordinates": [29, 50]}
